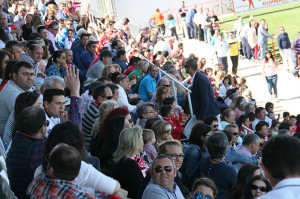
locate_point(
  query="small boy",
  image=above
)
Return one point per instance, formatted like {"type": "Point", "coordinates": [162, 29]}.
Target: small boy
{"type": "Point", "coordinates": [167, 113]}
{"type": "Point", "coordinates": [149, 140]}
{"type": "Point", "coordinates": [69, 40]}
{"type": "Point", "coordinates": [293, 121]}
{"type": "Point", "coordinates": [286, 117]}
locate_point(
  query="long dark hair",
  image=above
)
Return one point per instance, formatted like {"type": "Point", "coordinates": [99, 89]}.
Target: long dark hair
{"type": "Point", "coordinates": [198, 131]}
{"type": "Point", "coordinates": [67, 133]}
{"type": "Point", "coordinates": [266, 58]}
{"type": "Point", "coordinates": [57, 54]}
{"type": "Point", "coordinates": [3, 35]}
{"type": "Point", "coordinates": [23, 101]}
{"type": "Point", "coordinates": [2, 56]}
{"type": "Point", "coordinates": [244, 173]}
{"type": "Point", "coordinates": [248, 192]}
{"type": "Point", "coordinates": [8, 71]}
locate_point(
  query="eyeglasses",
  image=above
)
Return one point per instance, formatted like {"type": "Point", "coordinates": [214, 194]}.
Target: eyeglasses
{"type": "Point", "coordinates": [130, 121]}
{"type": "Point", "coordinates": [55, 28]}
{"type": "Point", "coordinates": [159, 169]}
{"type": "Point", "coordinates": [108, 97]}
{"type": "Point", "coordinates": [199, 195]}
{"type": "Point", "coordinates": [167, 85]}
{"type": "Point", "coordinates": [235, 134]}
{"type": "Point", "coordinates": [215, 126]}
{"type": "Point", "coordinates": [261, 144]}
{"type": "Point", "coordinates": [261, 188]}
{"type": "Point", "coordinates": [69, 24]}
{"type": "Point", "coordinates": [282, 30]}
{"type": "Point", "coordinates": [174, 156]}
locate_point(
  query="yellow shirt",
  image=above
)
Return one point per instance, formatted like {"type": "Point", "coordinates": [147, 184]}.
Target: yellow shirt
{"type": "Point", "coordinates": [234, 46]}
{"type": "Point", "coordinates": [158, 18]}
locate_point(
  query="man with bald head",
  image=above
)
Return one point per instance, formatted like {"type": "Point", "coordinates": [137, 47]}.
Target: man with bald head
{"type": "Point", "coordinates": [35, 55]}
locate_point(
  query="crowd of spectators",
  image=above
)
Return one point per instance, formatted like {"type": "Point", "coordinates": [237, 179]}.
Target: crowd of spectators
{"type": "Point", "coordinates": [90, 111]}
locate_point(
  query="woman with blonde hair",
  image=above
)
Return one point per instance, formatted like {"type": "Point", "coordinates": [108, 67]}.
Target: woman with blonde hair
{"type": "Point", "coordinates": [104, 109]}
{"type": "Point", "coordinates": [109, 69]}
{"type": "Point", "coordinates": [219, 77]}
{"type": "Point", "coordinates": [36, 22]}
{"type": "Point", "coordinates": [127, 158]}
{"type": "Point", "coordinates": [162, 131]}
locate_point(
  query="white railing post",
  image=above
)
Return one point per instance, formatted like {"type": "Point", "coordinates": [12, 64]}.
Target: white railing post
{"type": "Point", "coordinates": [190, 104]}
{"type": "Point", "coordinates": [174, 90]}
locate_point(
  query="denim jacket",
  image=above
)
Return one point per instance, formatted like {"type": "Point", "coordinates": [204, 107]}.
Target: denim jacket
{"type": "Point", "coordinates": [234, 157]}
{"type": "Point", "coordinates": [191, 162]}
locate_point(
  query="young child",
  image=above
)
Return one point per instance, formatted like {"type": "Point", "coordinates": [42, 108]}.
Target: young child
{"type": "Point", "coordinates": [167, 113]}
{"type": "Point", "coordinates": [149, 140]}
{"type": "Point", "coordinates": [293, 121]}
{"type": "Point", "coordinates": [244, 122]}
{"type": "Point", "coordinates": [286, 117]}
{"type": "Point", "coordinates": [69, 40]}
{"type": "Point", "coordinates": [274, 128]}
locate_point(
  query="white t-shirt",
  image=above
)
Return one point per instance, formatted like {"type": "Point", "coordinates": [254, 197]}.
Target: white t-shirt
{"type": "Point", "coordinates": [90, 179]}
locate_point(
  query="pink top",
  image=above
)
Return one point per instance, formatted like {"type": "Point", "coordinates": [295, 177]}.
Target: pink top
{"type": "Point", "coordinates": [270, 68]}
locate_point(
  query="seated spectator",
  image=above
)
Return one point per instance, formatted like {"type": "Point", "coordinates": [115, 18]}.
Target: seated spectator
{"type": "Point", "coordinates": [133, 63]}
{"type": "Point", "coordinates": [121, 60]}
{"type": "Point", "coordinates": [286, 116]}
{"type": "Point", "coordinates": [16, 47]}
{"type": "Point", "coordinates": [88, 178]}
{"type": "Point", "coordinates": [287, 126]}
{"type": "Point", "coordinates": [231, 131]}
{"type": "Point", "coordinates": [244, 124]}
{"type": "Point", "coordinates": [262, 128]}
{"type": "Point", "coordinates": [22, 80]}
{"type": "Point", "coordinates": [87, 97]}
{"type": "Point", "coordinates": [195, 151]}
{"type": "Point", "coordinates": [95, 70]}
{"type": "Point", "coordinates": [145, 111]}
{"type": "Point", "coordinates": [274, 128]}
{"type": "Point", "coordinates": [27, 149]}
{"type": "Point", "coordinates": [101, 94]}
{"type": "Point", "coordinates": [293, 121]}
{"type": "Point", "coordinates": [105, 144]}
{"type": "Point", "coordinates": [104, 109]}
{"type": "Point", "coordinates": [139, 72]}
{"type": "Point", "coordinates": [149, 141]}
{"type": "Point", "coordinates": [168, 115]}
{"type": "Point", "coordinates": [261, 115]}
{"type": "Point", "coordinates": [163, 165]}
{"type": "Point", "coordinates": [212, 121]}
{"type": "Point", "coordinates": [227, 117]}
{"type": "Point", "coordinates": [148, 84]}
{"type": "Point", "coordinates": [23, 101]}
{"type": "Point", "coordinates": [256, 187]}
{"type": "Point", "coordinates": [64, 165]}
{"type": "Point", "coordinates": [216, 167]}
{"type": "Point", "coordinates": [56, 65]}
{"type": "Point", "coordinates": [69, 40]}
{"type": "Point", "coordinates": [87, 57]}
{"type": "Point", "coordinates": [63, 33]}
{"type": "Point", "coordinates": [115, 91]}
{"type": "Point", "coordinates": [162, 132]}
{"type": "Point", "coordinates": [161, 94]}
{"type": "Point", "coordinates": [247, 171]}
{"type": "Point", "coordinates": [80, 48]}
{"type": "Point", "coordinates": [108, 70]}
{"type": "Point", "coordinates": [249, 147]}
{"type": "Point", "coordinates": [127, 158]}
{"type": "Point", "coordinates": [225, 86]}
{"type": "Point", "coordinates": [124, 87]}
{"type": "Point", "coordinates": [204, 187]}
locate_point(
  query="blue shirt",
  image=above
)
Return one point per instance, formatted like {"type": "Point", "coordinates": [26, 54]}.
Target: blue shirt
{"type": "Point", "coordinates": [263, 35]}
{"type": "Point", "coordinates": [86, 58]}
{"type": "Point", "coordinates": [77, 51]}
{"type": "Point", "coordinates": [283, 41]}
{"type": "Point", "coordinates": [190, 16]}
{"type": "Point", "coordinates": [52, 70]}
{"type": "Point", "coordinates": [148, 84]}
{"type": "Point", "coordinates": [121, 64]}
{"type": "Point", "coordinates": [234, 157]}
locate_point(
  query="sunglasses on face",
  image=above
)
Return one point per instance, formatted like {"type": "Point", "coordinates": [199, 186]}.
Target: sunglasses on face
{"type": "Point", "coordinates": [174, 156]}
{"type": "Point", "coordinates": [215, 126]}
{"type": "Point", "coordinates": [159, 169]}
{"type": "Point", "coordinates": [199, 195]}
{"type": "Point", "coordinates": [46, 124]}
{"type": "Point", "coordinates": [108, 97]}
{"type": "Point", "coordinates": [235, 134]}
{"type": "Point", "coordinates": [261, 188]}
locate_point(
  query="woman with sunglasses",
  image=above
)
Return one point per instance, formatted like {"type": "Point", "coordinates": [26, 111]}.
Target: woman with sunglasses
{"type": "Point", "coordinates": [130, 168]}
{"type": "Point", "coordinates": [256, 186]}
{"type": "Point", "coordinates": [162, 93]}
{"type": "Point", "coordinates": [56, 65]}
{"type": "Point", "coordinates": [204, 188]}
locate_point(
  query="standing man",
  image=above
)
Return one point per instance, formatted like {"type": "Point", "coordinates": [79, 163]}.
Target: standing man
{"type": "Point", "coordinates": [263, 36]}
{"type": "Point", "coordinates": [285, 175]}
{"type": "Point", "coordinates": [203, 101]}
{"type": "Point", "coordinates": [182, 13]}
{"type": "Point", "coordinates": [221, 48]}
{"type": "Point", "coordinates": [190, 22]}
{"type": "Point", "coordinates": [213, 19]}
{"type": "Point", "coordinates": [148, 84]}
{"type": "Point", "coordinates": [199, 21]}
{"type": "Point", "coordinates": [284, 46]}
{"type": "Point", "coordinates": [159, 21]}
{"type": "Point", "coordinates": [234, 46]}
{"type": "Point", "coordinates": [22, 80]}
{"type": "Point", "coordinates": [162, 186]}
{"type": "Point", "coordinates": [296, 49]}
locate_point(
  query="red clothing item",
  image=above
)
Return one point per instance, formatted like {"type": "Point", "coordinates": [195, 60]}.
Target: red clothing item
{"type": "Point", "coordinates": [94, 61]}
{"type": "Point", "coordinates": [128, 70]}
{"type": "Point", "coordinates": [102, 42]}
{"type": "Point", "coordinates": [1, 87]}
{"type": "Point", "coordinates": [177, 128]}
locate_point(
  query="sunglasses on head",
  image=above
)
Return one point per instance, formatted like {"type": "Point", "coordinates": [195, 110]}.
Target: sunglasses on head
{"type": "Point", "coordinates": [261, 188]}
{"type": "Point", "coordinates": [199, 195]}
{"type": "Point", "coordinates": [159, 168]}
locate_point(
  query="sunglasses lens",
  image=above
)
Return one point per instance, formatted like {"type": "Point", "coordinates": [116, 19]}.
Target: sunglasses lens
{"type": "Point", "coordinates": [208, 197]}
{"type": "Point", "coordinates": [198, 195]}
{"type": "Point", "coordinates": [168, 168]}
{"type": "Point", "coordinates": [158, 169]}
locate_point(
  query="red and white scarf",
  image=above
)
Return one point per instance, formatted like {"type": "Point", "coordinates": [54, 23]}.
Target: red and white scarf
{"type": "Point", "coordinates": [141, 162]}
